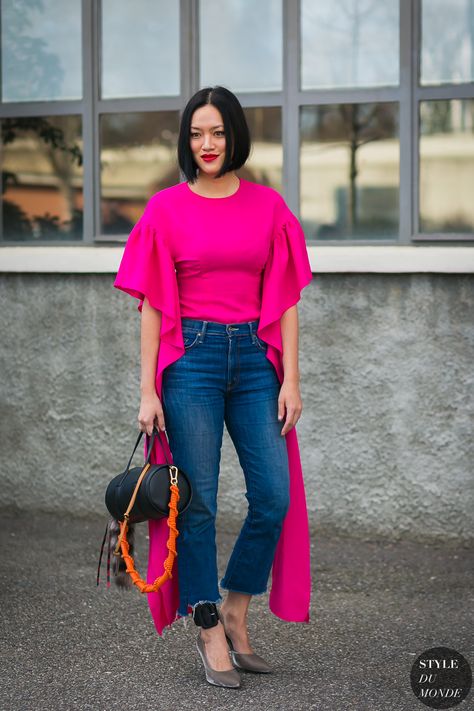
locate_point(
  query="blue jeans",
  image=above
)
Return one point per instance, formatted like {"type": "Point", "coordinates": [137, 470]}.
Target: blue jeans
{"type": "Point", "coordinates": [225, 376]}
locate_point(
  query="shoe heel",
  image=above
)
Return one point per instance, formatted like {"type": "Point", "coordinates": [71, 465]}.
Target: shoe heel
{"type": "Point", "coordinates": [229, 678]}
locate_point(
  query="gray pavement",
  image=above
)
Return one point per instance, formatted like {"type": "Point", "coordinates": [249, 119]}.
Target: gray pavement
{"type": "Point", "coordinates": [376, 605]}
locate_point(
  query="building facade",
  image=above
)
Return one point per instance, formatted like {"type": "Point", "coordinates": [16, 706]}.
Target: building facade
{"type": "Point", "coordinates": [362, 116]}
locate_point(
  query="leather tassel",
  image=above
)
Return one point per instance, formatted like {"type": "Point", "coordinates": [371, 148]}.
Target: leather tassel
{"type": "Point", "coordinates": [121, 577]}
{"type": "Point", "coordinates": [119, 569]}
{"type": "Point", "coordinates": [108, 560]}
{"type": "Point", "coordinates": [101, 552]}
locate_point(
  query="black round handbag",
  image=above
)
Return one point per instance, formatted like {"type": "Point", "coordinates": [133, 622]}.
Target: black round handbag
{"type": "Point", "coordinates": [153, 495]}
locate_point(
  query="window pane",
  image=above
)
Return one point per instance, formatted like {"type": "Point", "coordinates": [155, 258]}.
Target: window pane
{"type": "Point", "coordinates": [447, 166]}
{"type": "Point", "coordinates": [41, 50]}
{"type": "Point", "coordinates": [350, 171]}
{"type": "Point", "coordinates": [241, 44]}
{"type": "Point", "coordinates": [266, 157]}
{"type": "Point", "coordinates": [42, 178]}
{"type": "Point", "coordinates": [140, 48]}
{"type": "Point", "coordinates": [138, 158]}
{"type": "Point", "coordinates": [349, 43]}
{"type": "Point", "coordinates": [447, 41]}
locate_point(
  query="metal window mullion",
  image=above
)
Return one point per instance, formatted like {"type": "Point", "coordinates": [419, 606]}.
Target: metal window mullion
{"type": "Point", "coordinates": [131, 105]}
{"type": "Point", "coordinates": [194, 42]}
{"type": "Point", "coordinates": [406, 143]}
{"type": "Point", "coordinates": [1, 127]}
{"type": "Point", "coordinates": [444, 91]}
{"type": "Point", "coordinates": [88, 137]}
{"type": "Point", "coordinates": [95, 88]}
{"type": "Point", "coordinates": [443, 237]}
{"type": "Point", "coordinates": [260, 99]}
{"type": "Point", "coordinates": [414, 106]}
{"type": "Point", "coordinates": [346, 242]}
{"type": "Point", "coordinates": [22, 109]}
{"type": "Point", "coordinates": [362, 95]}
{"type": "Point", "coordinates": [290, 104]}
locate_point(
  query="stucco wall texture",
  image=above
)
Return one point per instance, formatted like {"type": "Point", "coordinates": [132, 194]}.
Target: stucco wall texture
{"type": "Point", "coordinates": [386, 434]}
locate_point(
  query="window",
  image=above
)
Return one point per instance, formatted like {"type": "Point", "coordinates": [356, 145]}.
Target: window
{"type": "Point", "coordinates": [246, 36]}
{"type": "Point", "coordinates": [137, 159]}
{"type": "Point", "coordinates": [140, 48]}
{"type": "Point", "coordinates": [446, 166]}
{"type": "Point", "coordinates": [361, 112]}
{"type": "Point", "coordinates": [41, 50]}
{"type": "Point", "coordinates": [349, 43]}
{"type": "Point", "coordinates": [447, 51]}
{"type": "Point", "coordinates": [42, 178]}
{"type": "Point", "coordinates": [349, 165]}
{"type": "Point", "coordinates": [265, 163]}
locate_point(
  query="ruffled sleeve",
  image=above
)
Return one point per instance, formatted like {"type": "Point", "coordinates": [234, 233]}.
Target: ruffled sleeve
{"type": "Point", "coordinates": [286, 273]}
{"type": "Point", "coordinates": [147, 269]}
{"type": "Point", "coordinates": [146, 266]}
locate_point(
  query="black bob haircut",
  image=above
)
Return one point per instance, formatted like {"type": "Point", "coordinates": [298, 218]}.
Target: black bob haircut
{"type": "Point", "coordinates": [236, 130]}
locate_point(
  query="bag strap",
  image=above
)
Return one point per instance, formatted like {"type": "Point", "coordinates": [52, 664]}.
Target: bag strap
{"type": "Point", "coordinates": [150, 444]}
{"type": "Point", "coordinates": [154, 435]}
{"type": "Point", "coordinates": [123, 544]}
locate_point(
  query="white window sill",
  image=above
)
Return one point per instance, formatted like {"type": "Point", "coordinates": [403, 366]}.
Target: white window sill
{"type": "Point", "coordinates": [328, 259]}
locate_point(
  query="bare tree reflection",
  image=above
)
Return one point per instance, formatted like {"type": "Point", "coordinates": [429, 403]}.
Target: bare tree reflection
{"type": "Point", "coordinates": [42, 162]}
{"type": "Point", "coordinates": [30, 72]}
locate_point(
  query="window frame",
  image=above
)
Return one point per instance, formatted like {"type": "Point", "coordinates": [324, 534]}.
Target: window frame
{"type": "Point", "coordinates": [408, 95]}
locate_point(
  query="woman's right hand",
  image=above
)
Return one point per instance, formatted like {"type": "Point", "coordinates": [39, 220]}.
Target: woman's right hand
{"type": "Point", "coordinates": [151, 413]}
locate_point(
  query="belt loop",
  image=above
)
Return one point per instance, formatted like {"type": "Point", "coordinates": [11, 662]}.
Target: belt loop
{"type": "Point", "coordinates": [250, 327]}
{"type": "Point", "coordinates": [203, 331]}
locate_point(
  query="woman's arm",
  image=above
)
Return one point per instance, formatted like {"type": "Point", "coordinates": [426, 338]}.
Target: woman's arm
{"type": "Point", "coordinates": [289, 398]}
{"type": "Point", "coordinates": [151, 410]}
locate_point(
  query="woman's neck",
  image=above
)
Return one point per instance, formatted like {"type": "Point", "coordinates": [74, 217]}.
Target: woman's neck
{"type": "Point", "coordinates": [207, 186]}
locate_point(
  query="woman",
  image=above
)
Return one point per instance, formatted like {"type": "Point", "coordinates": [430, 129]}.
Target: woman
{"type": "Point", "coordinates": [218, 264]}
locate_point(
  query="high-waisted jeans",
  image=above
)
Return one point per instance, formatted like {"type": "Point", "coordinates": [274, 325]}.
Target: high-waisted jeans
{"type": "Point", "coordinates": [225, 376]}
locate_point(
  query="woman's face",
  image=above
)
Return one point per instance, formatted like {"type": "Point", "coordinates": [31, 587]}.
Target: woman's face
{"type": "Point", "coordinates": [207, 139]}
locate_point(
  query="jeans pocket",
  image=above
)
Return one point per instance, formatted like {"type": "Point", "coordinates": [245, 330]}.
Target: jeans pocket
{"type": "Point", "coordinates": [190, 338]}
{"type": "Point", "coordinates": [261, 345]}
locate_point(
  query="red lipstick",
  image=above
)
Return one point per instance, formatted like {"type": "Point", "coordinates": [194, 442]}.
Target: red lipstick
{"type": "Point", "coordinates": [209, 157]}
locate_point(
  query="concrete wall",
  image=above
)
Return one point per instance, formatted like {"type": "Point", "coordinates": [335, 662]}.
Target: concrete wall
{"type": "Point", "coordinates": [387, 385]}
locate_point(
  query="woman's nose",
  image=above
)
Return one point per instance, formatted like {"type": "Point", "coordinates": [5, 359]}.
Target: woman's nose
{"type": "Point", "coordinates": [207, 142]}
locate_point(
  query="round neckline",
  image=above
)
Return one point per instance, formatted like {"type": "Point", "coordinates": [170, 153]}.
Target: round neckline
{"type": "Point", "coordinates": [207, 197]}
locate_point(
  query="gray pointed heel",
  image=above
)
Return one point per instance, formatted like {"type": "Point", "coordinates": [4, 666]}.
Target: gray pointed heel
{"type": "Point", "coordinates": [229, 678]}
{"type": "Point", "coordinates": [248, 662]}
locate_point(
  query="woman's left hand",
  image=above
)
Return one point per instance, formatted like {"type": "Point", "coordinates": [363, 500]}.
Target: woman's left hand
{"type": "Point", "coordinates": [289, 399]}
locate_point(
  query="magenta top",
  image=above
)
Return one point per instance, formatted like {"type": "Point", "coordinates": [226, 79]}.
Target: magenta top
{"type": "Point", "coordinates": [232, 259]}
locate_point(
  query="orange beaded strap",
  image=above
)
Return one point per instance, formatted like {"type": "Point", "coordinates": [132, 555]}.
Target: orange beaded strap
{"type": "Point", "coordinates": [123, 545]}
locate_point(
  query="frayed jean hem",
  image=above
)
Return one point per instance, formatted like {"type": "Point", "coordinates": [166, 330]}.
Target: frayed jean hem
{"type": "Point", "coordinates": [242, 592]}
{"type": "Point", "coordinates": [193, 605]}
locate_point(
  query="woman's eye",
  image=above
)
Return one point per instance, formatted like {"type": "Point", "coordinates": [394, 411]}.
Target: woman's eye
{"type": "Point", "coordinates": [195, 134]}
